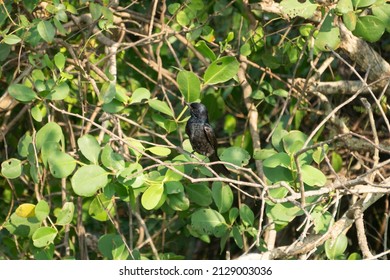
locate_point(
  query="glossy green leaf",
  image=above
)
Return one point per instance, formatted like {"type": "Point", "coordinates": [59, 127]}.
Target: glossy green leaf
{"type": "Point", "coordinates": [319, 154]}
{"type": "Point", "coordinates": [173, 187]}
{"type": "Point", "coordinates": [223, 196]}
{"type": "Point", "coordinates": [107, 92]}
{"type": "Point", "coordinates": [89, 147]}
{"type": "Point", "coordinates": [44, 236]}
{"type": "Point", "coordinates": [139, 94]}
{"type": "Point", "coordinates": [59, 92]}
{"type": "Point", "coordinates": [11, 168]}
{"type": "Point", "coordinates": [233, 215]}
{"type": "Point", "coordinates": [199, 194]}
{"type": "Point", "coordinates": [61, 164]}
{"type": "Point", "coordinates": [172, 175]}
{"type": "Point", "coordinates": [4, 51]}
{"type": "Point", "coordinates": [22, 93]}
{"type": "Point", "coordinates": [279, 159]}
{"type": "Point", "coordinates": [160, 106]}
{"type": "Point", "coordinates": [335, 249]}
{"type": "Point", "coordinates": [204, 221]}
{"type": "Point", "coordinates": [263, 154]}
{"type": "Point", "coordinates": [96, 10]}
{"type": "Point", "coordinates": [282, 213]}
{"type": "Point", "coordinates": [46, 30]}
{"type": "Point", "coordinates": [88, 180]}
{"type": "Point", "coordinates": [42, 210]}
{"type": "Point", "coordinates": [221, 70]}
{"type": "Point", "coordinates": [65, 216]}
{"type": "Point", "coordinates": [189, 85]}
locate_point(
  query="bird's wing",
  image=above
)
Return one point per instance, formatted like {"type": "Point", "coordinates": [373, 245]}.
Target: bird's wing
{"type": "Point", "coordinates": [209, 131]}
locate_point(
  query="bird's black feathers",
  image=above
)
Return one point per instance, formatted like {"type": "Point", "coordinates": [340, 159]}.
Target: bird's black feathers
{"type": "Point", "coordinates": [202, 136]}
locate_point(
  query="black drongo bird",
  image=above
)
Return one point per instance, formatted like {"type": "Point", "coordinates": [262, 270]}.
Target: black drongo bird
{"type": "Point", "coordinates": [202, 136]}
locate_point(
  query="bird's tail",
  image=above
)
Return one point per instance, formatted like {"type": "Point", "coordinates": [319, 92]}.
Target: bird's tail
{"type": "Point", "coordinates": [218, 168]}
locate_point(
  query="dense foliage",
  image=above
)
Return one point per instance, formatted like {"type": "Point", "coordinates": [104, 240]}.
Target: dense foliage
{"type": "Point", "coordinates": [95, 162]}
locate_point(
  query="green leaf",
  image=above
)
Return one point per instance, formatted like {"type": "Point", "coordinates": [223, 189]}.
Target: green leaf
{"type": "Point", "coordinates": [50, 133]}
{"type": "Point", "coordinates": [61, 164]}
{"type": "Point", "coordinates": [24, 143]}
{"type": "Point", "coordinates": [112, 247]}
{"type": "Point", "coordinates": [383, 13]}
{"type": "Point", "coordinates": [230, 124]}
{"type": "Point", "coordinates": [160, 106]}
{"type": "Point", "coordinates": [235, 155]}
{"type": "Point", "coordinates": [65, 216]}
{"type": "Point", "coordinates": [189, 85]}
{"type": "Point", "coordinates": [222, 196]}
{"type": "Point", "coordinates": [11, 168]}
{"type": "Point", "coordinates": [312, 176]}
{"type": "Point", "coordinates": [329, 34]}
{"type": "Point", "coordinates": [233, 214]}
{"type": "Point", "coordinates": [204, 221]}
{"type": "Point", "coordinates": [344, 6]}
{"type": "Point", "coordinates": [335, 249]}
{"type": "Point", "coordinates": [88, 180]}
{"type": "Point", "coordinates": [107, 92]}
{"type": "Point", "coordinates": [42, 210]}
{"type": "Point", "coordinates": [204, 49]}
{"type": "Point", "coordinates": [22, 93]}
{"type": "Point", "coordinates": [246, 215]}
{"type": "Point", "coordinates": [171, 175]}
{"type": "Point", "coordinates": [319, 154]}
{"type": "Point", "coordinates": [4, 51]}
{"type": "Point", "coordinates": [96, 10]}
{"type": "Point", "coordinates": [22, 226]}
{"type": "Point", "coordinates": [199, 194]}
{"type": "Point", "coordinates": [370, 28]}
{"type": "Point", "coordinates": [282, 213]}
{"type": "Point", "coordinates": [295, 8]}
{"type": "Point", "coordinates": [140, 94]}
{"type": "Point", "coordinates": [59, 92]}
{"type": "Point", "coordinates": [173, 8]}
{"type": "Point", "coordinates": [112, 160]}
{"type": "Point", "coordinates": [173, 187]}
{"type": "Point", "coordinates": [160, 151]}
{"type": "Point", "coordinates": [44, 236]}
{"type": "Point", "coordinates": [153, 197]}
{"type": "Point", "coordinates": [36, 113]}
{"type": "Point", "coordinates": [336, 161]}
{"type": "Point", "coordinates": [182, 18]}
{"type": "Point", "coordinates": [46, 30]}
{"type": "Point", "coordinates": [362, 3]}
{"type": "Point", "coordinates": [178, 201]}
{"type": "Point", "coordinates": [221, 70]}
{"type": "Point", "coordinates": [11, 39]}
{"type": "Point", "coordinates": [59, 61]}
{"type": "Point", "coordinates": [238, 237]}
{"type": "Point", "coordinates": [321, 219]}
{"type": "Point", "coordinates": [279, 159]}
{"type": "Point", "coordinates": [100, 207]}
{"type": "Point", "coordinates": [263, 154]}
{"type": "Point", "coordinates": [89, 147]}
